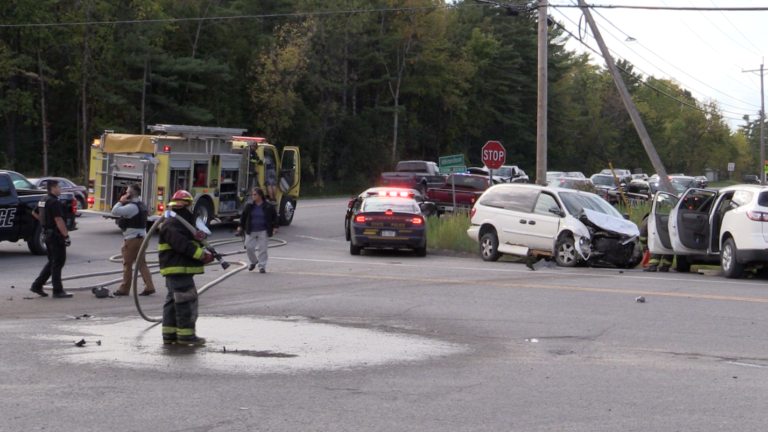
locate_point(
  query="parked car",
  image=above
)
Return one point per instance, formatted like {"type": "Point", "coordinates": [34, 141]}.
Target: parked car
{"type": "Point", "coordinates": [640, 177]}
{"type": "Point", "coordinates": [505, 174]}
{"type": "Point", "coordinates": [604, 185]}
{"type": "Point", "coordinates": [582, 184]}
{"type": "Point", "coordinates": [641, 189]}
{"type": "Point", "coordinates": [575, 174]}
{"type": "Point", "coordinates": [468, 189]}
{"type": "Point", "coordinates": [624, 175]}
{"type": "Point", "coordinates": [751, 179]}
{"type": "Point", "coordinates": [16, 207]}
{"type": "Point", "coordinates": [419, 175]}
{"type": "Point", "coordinates": [551, 175]}
{"type": "Point", "coordinates": [701, 182]}
{"type": "Point", "coordinates": [687, 181]}
{"type": "Point", "coordinates": [80, 192]}
{"type": "Point", "coordinates": [571, 226]}
{"type": "Point", "coordinates": [704, 226]}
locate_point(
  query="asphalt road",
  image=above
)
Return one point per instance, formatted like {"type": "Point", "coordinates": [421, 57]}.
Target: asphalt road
{"type": "Point", "coordinates": [384, 341]}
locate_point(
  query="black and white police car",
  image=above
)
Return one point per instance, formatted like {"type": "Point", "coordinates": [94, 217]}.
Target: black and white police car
{"type": "Point", "coordinates": [387, 218]}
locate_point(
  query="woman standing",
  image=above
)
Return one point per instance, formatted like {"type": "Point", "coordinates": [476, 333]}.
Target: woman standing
{"type": "Point", "coordinates": [259, 222]}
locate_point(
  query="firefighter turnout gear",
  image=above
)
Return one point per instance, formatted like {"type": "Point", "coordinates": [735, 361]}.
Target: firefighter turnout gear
{"type": "Point", "coordinates": [657, 262]}
{"type": "Point", "coordinates": [181, 257]}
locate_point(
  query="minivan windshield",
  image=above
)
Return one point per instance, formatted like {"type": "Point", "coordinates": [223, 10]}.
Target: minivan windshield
{"type": "Point", "coordinates": [576, 202]}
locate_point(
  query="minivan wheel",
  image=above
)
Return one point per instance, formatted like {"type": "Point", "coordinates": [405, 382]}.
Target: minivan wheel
{"type": "Point", "coordinates": [489, 247]}
{"type": "Point", "coordinates": [565, 252]}
{"type": "Point", "coordinates": [732, 269]}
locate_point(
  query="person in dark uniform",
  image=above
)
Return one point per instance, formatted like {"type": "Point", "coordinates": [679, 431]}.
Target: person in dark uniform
{"type": "Point", "coordinates": [50, 213]}
{"type": "Point", "coordinates": [657, 262]}
{"type": "Point", "coordinates": [181, 257]}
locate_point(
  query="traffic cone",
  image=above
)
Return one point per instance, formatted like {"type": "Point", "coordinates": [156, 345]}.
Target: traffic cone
{"type": "Point", "coordinates": [646, 258]}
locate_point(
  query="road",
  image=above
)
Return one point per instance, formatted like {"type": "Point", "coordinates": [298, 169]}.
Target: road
{"type": "Point", "coordinates": [382, 342]}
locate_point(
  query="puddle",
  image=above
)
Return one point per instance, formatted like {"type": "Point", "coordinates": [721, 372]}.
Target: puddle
{"type": "Point", "coordinates": [242, 345]}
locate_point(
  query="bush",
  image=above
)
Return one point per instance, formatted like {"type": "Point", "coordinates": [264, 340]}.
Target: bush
{"type": "Point", "coordinates": [450, 233]}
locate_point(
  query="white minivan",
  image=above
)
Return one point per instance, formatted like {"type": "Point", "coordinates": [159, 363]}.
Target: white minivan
{"type": "Point", "coordinates": [569, 225]}
{"type": "Point", "coordinates": [729, 225]}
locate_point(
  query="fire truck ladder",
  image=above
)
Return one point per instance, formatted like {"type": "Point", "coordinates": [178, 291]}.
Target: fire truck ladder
{"type": "Point", "coordinates": [195, 131]}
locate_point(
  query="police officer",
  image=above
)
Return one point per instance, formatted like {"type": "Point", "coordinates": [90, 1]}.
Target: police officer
{"type": "Point", "coordinates": [181, 257]}
{"type": "Point", "coordinates": [657, 262]}
{"type": "Point", "coordinates": [50, 213]}
{"type": "Point", "coordinates": [133, 221]}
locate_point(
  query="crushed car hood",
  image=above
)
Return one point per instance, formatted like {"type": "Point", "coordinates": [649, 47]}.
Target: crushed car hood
{"type": "Point", "coordinates": [613, 224]}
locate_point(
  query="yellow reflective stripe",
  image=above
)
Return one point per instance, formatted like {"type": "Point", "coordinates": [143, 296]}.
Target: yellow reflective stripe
{"type": "Point", "coordinates": [198, 254]}
{"type": "Point", "coordinates": [181, 270]}
{"type": "Point", "coordinates": [163, 247]}
{"type": "Point", "coordinates": [169, 330]}
{"type": "Point", "coordinates": [186, 332]}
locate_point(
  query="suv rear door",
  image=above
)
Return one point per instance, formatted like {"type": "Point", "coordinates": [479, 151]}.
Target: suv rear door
{"type": "Point", "coordinates": [689, 227]}
{"type": "Point", "coordinates": [659, 241]}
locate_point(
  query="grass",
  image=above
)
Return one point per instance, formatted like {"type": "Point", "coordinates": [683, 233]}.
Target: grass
{"type": "Point", "coordinates": [450, 233]}
{"type": "Point", "coordinates": [637, 213]}
{"type": "Point", "coordinates": [724, 183]}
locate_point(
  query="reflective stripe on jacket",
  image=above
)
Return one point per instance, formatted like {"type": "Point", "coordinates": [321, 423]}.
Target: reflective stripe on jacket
{"type": "Point", "coordinates": [180, 254]}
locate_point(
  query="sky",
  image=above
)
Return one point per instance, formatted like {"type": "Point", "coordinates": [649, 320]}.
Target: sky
{"type": "Point", "coordinates": [705, 52]}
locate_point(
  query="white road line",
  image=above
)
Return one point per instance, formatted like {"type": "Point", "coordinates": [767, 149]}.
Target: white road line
{"type": "Point", "coordinates": [747, 365]}
{"type": "Point", "coordinates": [719, 281]}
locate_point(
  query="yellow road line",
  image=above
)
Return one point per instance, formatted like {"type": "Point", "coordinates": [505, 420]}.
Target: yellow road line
{"type": "Point", "coordinates": [535, 286]}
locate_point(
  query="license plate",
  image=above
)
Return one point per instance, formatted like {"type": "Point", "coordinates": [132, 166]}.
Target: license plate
{"type": "Point", "coordinates": [447, 208]}
{"type": "Point", "coordinates": [388, 233]}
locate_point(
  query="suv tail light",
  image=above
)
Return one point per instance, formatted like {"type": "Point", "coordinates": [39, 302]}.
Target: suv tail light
{"type": "Point", "coordinates": [757, 216]}
{"type": "Point", "coordinates": [472, 213]}
{"type": "Point", "coordinates": [74, 206]}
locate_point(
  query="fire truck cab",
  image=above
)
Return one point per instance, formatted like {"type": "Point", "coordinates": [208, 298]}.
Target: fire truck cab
{"type": "Point", "coordinates": [213, 164]}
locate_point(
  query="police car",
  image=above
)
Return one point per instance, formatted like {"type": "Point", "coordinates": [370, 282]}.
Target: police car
{"type": "Point", "coordinates": [387, 218]}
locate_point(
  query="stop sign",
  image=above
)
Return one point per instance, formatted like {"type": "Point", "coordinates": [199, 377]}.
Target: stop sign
{"type": "Point", "coordinates": [494, 155]}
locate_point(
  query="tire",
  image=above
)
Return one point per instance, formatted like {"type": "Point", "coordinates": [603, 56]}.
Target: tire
{"type": "Point", "coordinates": [421, 252]}
{"type": "Point", "coordinates": [36, 243]}
{"type": "Point", "coordinates": [489, 247]}
{"type": "Point", "coordinates": [287, 210]}
{"type": "Point", "coordinates": [80, 206]}
{"type": "Point", "coordinates": [683, 265]}
{"type": "Point", "coordinates": [732, 269]}
{"type": "Point", "coordinates": [204, 211]}
{"type": "Point", "coordinates": [354, 250]}
{"type": "Point", "coordinates": [565, 252]}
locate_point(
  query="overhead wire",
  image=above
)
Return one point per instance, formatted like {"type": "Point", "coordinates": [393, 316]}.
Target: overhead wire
{"type": "Point", "coordinates": [726, 34]}
{"type": "Point", "coordinates": [736, 28]}
{"type": "Point", "coordinates": [670, 75]}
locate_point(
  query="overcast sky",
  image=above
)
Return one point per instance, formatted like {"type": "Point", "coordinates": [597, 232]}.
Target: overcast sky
{"type": "Point", "coordinates": [705, 52]}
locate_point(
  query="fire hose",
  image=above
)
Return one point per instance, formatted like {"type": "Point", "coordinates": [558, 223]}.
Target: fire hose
{"type": "Point", "coordinates": [141, 258]}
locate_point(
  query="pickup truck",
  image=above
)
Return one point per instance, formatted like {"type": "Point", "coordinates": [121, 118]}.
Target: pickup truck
{"type": "Point", "coordinates": [468, 189]}
{"type": "Point", "coordinates": [16, 206]}
{"type": "Point", "coordinates": [419, 175]}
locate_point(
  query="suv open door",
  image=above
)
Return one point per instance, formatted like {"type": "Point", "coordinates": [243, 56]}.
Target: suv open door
{"type": "Point", "coordinates": [689, 227]}
{"type": "Point", "coordinates": [659, 241]}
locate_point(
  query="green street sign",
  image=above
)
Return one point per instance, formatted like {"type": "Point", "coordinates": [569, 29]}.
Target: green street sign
{"type": "Point", "coordinates": [449, 161]}
{"type": "Point", "coordinates": [453, 169]}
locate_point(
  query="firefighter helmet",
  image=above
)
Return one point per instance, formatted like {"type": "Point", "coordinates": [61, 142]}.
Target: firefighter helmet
{"type": "Point", "coordinates": [181, 198]}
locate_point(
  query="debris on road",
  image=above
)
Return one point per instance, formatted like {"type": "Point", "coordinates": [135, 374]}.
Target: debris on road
{"type": "Point", "coordinates": [81, 343]}
{"type": "Point", "coordinates": [640, 299]}
{"type": "Point", "coordinates": [532, 340]}
{"type": "Point", "coordinates": [541, 264]}
{"type": "Point", "coordinates": [28, 298]}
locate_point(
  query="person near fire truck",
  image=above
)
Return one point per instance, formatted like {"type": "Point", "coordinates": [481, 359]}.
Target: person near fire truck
{"type": "Point", "coordinates": [50, 213]}
{"type": "Point", "coordinates": [181, 257]}
{"type": "Point", "coordinates": [259, 221]}
{"type": "Point", "coordinates": [133, 221]}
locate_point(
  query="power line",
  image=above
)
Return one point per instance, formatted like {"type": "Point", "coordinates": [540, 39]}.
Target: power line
{"type": "Point", "coordinates": [662, 71]}
{"type": "Point", "coordinates": [737, 29]}
{"type": "Point", "coordinates": [354, 11]}
{"type": "Point", "coordinates": [644, 82]}
{"type": "Point", "coordinates": [726, 34]}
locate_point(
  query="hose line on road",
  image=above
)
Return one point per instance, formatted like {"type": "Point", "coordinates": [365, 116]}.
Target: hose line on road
{"type": "Point", "coordinates": [141, 258]}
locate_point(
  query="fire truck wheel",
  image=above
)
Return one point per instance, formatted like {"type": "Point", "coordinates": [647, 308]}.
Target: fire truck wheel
{"type": "Point", "coordinates": [204, 211]}
{"type": "Point", "coordinates": [287, 209]}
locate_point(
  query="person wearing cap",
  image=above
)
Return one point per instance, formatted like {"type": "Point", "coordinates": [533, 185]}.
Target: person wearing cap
{"type": "Point", "coordinates": [181, 257]}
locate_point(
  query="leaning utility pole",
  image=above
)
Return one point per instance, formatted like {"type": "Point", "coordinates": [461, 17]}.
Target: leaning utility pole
{"type": "Point", "coordinates": [541, 108]}
{"type": "Point", "coordinates": [639, 126]}
{"type": "Point", "coordinates": [762, 126]}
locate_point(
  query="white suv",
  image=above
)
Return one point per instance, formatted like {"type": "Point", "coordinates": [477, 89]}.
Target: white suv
{"type": "Point", "coordinates": [729, 225]}
{"type": "Point", "coordinates": [569, 225]}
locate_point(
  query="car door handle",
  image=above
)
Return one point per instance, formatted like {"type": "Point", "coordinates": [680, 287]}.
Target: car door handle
{"type": "Point", "coordinates": [523, 221]}
{"type": "Point", "coordinates": [531, 222]}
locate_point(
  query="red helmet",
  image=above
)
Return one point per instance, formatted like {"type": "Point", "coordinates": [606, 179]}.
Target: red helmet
{"type": "Point", "coordinates": [180, 198]}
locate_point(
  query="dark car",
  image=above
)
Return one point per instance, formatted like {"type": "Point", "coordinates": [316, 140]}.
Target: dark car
{"type": "Point", "coordinates": [701, 182]}
{"type": "Point", "coordinates": [606, 187]}
{"type": "Point", "coordinates": [751, 179]}
{"type": "Point", "coordinates": [80, 192]}
{"type": "Point", "coordinates": [427, 207]}
{"type": "Point", "coordinates": [385, 221]}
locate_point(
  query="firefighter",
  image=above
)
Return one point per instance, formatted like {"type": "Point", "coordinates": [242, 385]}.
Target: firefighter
{"type": "Point", "coordinates": [660, 263]}
{"type": "Point", "coordinates": [253, 162]}
{"type": "Point", "coordinates": [181, 257]}
{"type": "Point", "coordinates": [50, 213]}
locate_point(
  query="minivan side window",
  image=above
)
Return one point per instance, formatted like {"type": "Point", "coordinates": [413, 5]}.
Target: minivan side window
{"type": "Point", "coordinates": [545, 203]}
{"type": "Point", "coordinates": [493, 198]}
{"type": "Point", "coordinates": [520, 199]}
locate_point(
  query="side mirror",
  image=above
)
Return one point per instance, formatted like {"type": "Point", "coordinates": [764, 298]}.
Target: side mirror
{"type": "Point", "coordinates": [626, 216]}
{"type": "Point", "coordinates": [557, 211]}
{"type": "Point", "coordinates": [623, 185]}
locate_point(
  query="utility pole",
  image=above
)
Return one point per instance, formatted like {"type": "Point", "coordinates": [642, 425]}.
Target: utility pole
{"type": "Point", "coordinates": [541, 107]}
{"type": "Point", "coordinates": [627, 99]}
{"type": "Point", "coordinates": [762, 124]}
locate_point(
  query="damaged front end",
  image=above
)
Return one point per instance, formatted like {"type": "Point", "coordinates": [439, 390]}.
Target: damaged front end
{"type": "Point", "coordinates": [612, 242]}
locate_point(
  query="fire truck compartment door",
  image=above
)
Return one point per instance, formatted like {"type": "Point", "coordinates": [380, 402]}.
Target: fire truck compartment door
{"type": "Point", "coordinates": [181, 164]}
{"type": "Point", "coordinates": [230, 163]}
{"type": "Point", "coordinates": [290, 171]}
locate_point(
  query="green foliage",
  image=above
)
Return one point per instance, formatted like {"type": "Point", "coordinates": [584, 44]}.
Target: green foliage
{"type": "Point", "coordinates": [450, 233]}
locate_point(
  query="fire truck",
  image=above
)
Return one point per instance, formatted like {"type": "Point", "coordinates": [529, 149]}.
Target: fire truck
{"type": "Point", "coordinates": [214, 164]}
